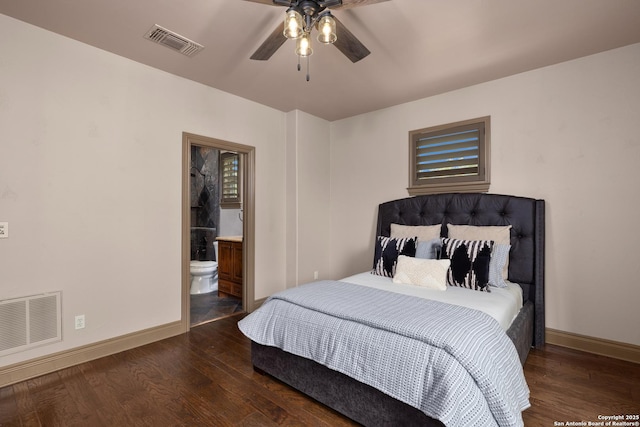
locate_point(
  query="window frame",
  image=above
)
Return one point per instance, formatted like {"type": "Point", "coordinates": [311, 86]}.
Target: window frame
{"type": "Point", "coordinates": [230, 201]}
{"type": "Point", "coordinates": [478, 182]}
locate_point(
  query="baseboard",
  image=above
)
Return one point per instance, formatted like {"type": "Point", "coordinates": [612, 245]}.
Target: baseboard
{"type": "Point", "coordinates": [46, 364]}
{"type": "Point", "coordinates": [257, 303]}
{"type": "Point", "coordinates": [617, 350]}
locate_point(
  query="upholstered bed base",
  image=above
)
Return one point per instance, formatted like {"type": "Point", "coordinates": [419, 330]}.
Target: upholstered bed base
{"type": "Point", "coordinates": [521, 331]}
{"type": "Point", "coordinates": [366, 404]}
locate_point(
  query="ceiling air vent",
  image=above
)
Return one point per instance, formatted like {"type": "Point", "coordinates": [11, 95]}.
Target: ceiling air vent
{"type": "Point", "coordinates": [173, 41]}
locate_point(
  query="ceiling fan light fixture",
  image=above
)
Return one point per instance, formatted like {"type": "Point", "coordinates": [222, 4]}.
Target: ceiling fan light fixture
{"type": "Point", "coordinates": [301, 18]}
{"type": "Point", "coordinates": [326, 29]}
{"type": "Point", "coordinates": [303, 46]}
{"type": "Point", "coordinates": [293, 24]}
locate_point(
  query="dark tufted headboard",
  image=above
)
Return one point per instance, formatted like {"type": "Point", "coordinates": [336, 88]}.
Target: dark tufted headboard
{"type": "Point", "coordinates": [525, 215]}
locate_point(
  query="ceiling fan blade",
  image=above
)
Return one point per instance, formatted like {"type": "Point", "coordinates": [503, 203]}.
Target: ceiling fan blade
{"type": "Point", "coordinates": [270, 45]}
{"type": "Point", "coordinates": [348, 44]}
{"type": "Point", "coordinates": [270, 2]}
{"type": "Point", "coordinates": [348, 4]}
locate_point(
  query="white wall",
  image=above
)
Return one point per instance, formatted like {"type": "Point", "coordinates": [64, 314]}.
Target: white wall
{"type": "Point", "coordinates": [83, 134]}
{"type": "Point", "coordinates": [567, 134]}
{"type": "Point", "coordinates": [308, 198]}
{"type": "Point", "coordinates": [314, 197]}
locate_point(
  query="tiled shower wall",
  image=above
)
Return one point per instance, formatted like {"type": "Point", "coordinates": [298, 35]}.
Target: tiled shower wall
{"type": "Point", "coordinates": [205, 201]}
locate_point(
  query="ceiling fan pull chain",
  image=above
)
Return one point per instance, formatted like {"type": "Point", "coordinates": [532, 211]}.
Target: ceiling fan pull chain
{"type": "Point", "coordinates": [299, 63]}
{"type": "Point", "coordinates": [308, 62]}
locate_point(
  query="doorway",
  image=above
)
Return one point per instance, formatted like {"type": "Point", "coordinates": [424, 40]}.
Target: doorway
{"type": "Point", "coordinates": [206, 229]}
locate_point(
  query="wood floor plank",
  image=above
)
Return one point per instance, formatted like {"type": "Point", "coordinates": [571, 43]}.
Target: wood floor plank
{"type": "Point", "coordinates": [83, 396]}
{"type": "Point", "coordinates": [205, 378]}
{"type": "Point", "coordinates": [148, 371]}
{"type": "Point", "coordinates": [112, 391]}
{"type": "Point", "coordinates": [208, 398]}
{"type": "Point", "coordinates": [568, 385]}
{"type": "Point", "coordinates": [239, 387]}
{"type": "Point", "coordinates": [9, 414]}
{"type": "Point", "coordinates": [54, 405]}
{"type": "Point", "coordinates": [256, 419]}
{"type": "Point", "coordinates": [25, 405]}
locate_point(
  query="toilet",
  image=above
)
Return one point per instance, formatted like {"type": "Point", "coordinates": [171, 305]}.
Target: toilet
{"type": "Point", "coordinates": [204, 275]}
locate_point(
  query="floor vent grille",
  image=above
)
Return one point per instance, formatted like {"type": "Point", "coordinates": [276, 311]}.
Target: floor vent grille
{"type": "Point", "coordinates": [173, 40]}
{"type": "Point", "coordinates": [29, 322]}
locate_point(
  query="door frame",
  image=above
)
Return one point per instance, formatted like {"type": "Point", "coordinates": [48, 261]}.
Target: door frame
{"type": "Point", "coordinates": [247, 156]}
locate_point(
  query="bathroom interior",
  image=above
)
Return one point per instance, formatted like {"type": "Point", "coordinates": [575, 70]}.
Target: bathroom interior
{"type": "Point", "coordinates": [216, 232]}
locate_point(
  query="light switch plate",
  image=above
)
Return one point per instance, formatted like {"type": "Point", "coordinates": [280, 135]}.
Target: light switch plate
{"type": "Point", "coordinates": [4, 230]}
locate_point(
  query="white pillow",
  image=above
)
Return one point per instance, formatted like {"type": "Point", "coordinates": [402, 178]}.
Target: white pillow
{"type": "Point", "coordinates": [422, 232]}
{"type": "Point", "coordinates": [428, 273]}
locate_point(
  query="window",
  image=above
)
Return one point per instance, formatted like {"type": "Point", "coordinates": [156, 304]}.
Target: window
{"type": "Point", "coordinates": [229, 177]}
{"type": "Point", "coordinates": [452, 157]}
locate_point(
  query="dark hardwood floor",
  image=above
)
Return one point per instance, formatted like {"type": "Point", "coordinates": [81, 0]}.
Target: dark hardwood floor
{"type": "Point", "coordinates": [205, 378]}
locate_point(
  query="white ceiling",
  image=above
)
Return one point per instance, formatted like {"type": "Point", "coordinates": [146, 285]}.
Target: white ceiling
{"type": "Point", "coordinates": [419, 48]}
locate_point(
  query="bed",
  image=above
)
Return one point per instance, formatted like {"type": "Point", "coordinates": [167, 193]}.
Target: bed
{"type": "Point", "coordinates": [352, 396]}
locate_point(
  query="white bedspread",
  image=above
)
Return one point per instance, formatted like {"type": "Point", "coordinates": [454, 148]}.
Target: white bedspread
{"type": "Point", "coordinates": [503, 304]}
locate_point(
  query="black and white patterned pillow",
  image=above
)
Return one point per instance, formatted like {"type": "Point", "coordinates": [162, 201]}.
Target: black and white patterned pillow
{"type": "Point", "coordinates": [387, 251]}
{"type": "Point", "coordinates": [470, 261]}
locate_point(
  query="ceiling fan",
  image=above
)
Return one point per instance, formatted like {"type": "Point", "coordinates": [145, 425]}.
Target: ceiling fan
{"type": "Point", "coordinates": [313, 13]}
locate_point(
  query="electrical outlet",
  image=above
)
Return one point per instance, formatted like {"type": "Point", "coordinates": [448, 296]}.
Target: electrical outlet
{"type": "Point", "coordinates": [80, 321]}
{"type": "Point", "coordinates": [315, 275]}
{"type": "Point", "coordinates": [4, 230]}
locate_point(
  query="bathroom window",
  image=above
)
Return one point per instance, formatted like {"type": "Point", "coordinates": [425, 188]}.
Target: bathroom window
{"type": "Point", "coordinates": [230, 180]}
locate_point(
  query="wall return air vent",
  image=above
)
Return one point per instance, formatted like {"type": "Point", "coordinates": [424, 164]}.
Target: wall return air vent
{"type": "Point", "coordinates": [29, 322]}
{"type": "Point", "coordinates": [173, 41]}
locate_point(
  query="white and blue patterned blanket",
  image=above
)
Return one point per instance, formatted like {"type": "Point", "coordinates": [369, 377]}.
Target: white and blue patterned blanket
{"type": "Point", "coordinates": [454, 363]}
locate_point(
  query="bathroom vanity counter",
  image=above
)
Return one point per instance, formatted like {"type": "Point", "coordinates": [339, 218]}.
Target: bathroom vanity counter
{"type": "Point", "coordinates": [229, 266]}
{"type": "Point", "coordinates": [229, 238]}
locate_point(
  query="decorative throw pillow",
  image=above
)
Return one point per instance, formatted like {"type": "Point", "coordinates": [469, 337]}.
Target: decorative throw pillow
{"type": "Point", "coordinates": [429, 249]}
{"type": "Point", "coordinates": [387, 251]}
{"type": "Point", "coordinates": [500, 234]}
{"type": "Point", "coordinates": [499, 257]}
{"type": "Point", "coordinates": [422, 232]}
{"type": "Point", "coordinates": [428, 273]}
{"type": "Point", "coordinates": [469, 263]}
